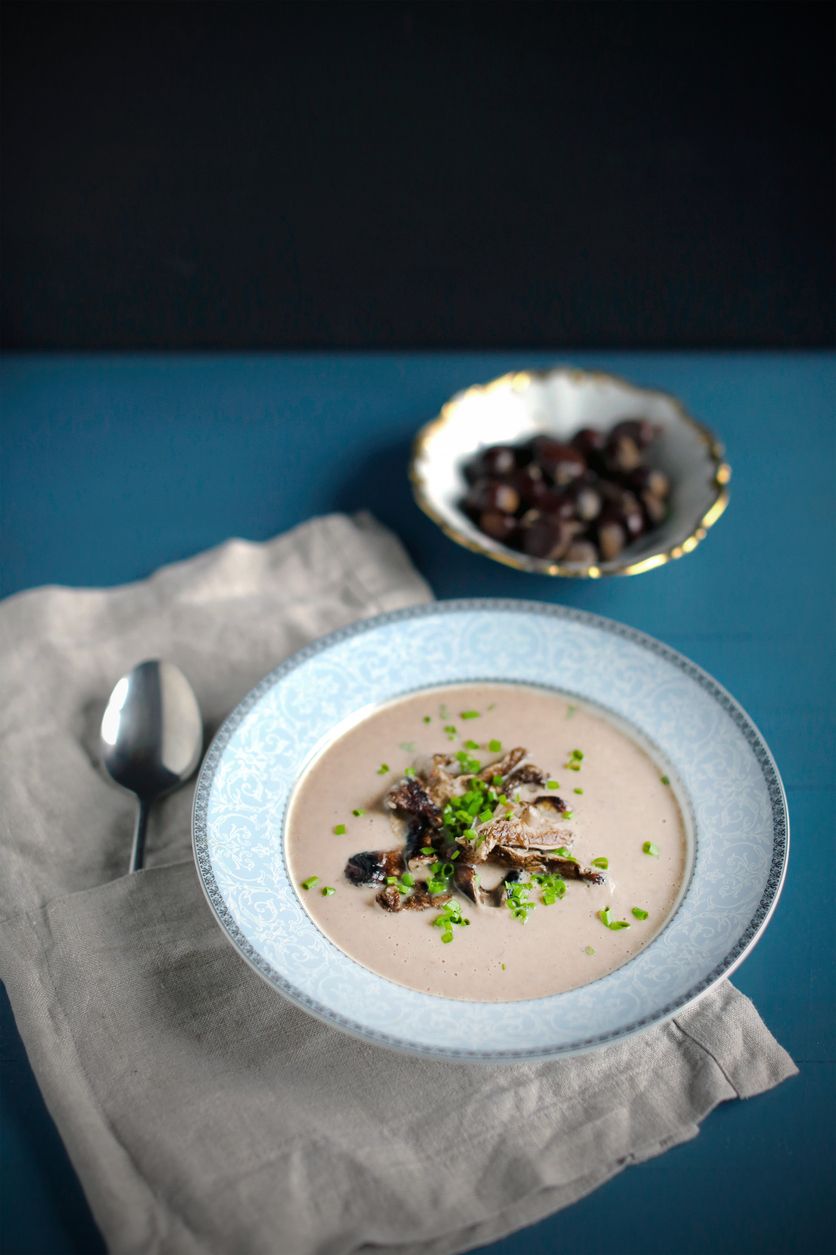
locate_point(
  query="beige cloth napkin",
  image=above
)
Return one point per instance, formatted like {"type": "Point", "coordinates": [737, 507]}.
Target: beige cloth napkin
{"type": "Point", "coordinates": [202, 1112]}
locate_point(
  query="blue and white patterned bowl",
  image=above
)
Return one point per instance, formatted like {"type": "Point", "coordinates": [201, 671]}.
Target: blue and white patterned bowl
{"type": "Point", "coordinates": [722, 769]}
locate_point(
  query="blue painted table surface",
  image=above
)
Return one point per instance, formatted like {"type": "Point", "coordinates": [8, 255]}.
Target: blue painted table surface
{"type": "Point", "coordinates": [114, 465]}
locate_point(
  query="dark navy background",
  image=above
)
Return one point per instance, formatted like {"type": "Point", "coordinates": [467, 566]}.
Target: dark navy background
{"type": "Point", "coordinates": [234, 175]}
{"type": "Point", "coordinates": [115, 465]}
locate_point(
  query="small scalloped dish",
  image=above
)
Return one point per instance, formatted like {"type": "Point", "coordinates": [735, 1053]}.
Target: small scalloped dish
{"type": "Point", "coordinates": [558, 402]}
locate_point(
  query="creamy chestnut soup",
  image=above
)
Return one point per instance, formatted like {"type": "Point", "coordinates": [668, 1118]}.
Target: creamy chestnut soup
{"type": "Point", "coordinates": [489, 842]}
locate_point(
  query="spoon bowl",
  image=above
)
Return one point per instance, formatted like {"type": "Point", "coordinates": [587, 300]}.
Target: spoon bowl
{"type": "Point", "coordinates": [151, 737]}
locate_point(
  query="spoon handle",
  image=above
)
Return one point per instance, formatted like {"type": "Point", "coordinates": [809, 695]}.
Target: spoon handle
{"type": "Point", "coordinates": [138, 851]}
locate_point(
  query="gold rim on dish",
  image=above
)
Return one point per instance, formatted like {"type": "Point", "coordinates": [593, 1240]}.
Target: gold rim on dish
{"type": "Point", "coordinates": [521, 379]}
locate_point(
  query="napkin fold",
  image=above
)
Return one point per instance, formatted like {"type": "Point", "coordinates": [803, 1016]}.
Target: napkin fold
{"type": "Point", "coordinates": [202, 1112]}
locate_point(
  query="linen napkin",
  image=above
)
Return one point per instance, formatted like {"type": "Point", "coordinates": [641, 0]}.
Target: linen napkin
{"type": "Point", "coordinates": [202, 1112]}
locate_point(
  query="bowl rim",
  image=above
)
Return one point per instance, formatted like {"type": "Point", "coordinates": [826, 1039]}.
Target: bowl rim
{"type": "Point", "coordinates": [541, 566]}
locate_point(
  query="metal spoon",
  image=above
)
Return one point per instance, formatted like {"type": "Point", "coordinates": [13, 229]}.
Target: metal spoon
{"type": "Point", "coordinates": [151, 737]}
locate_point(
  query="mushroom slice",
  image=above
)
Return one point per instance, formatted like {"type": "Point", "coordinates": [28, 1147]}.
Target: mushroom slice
{"type": "Point", "coordinates": [439, 782]}
{"type": "Point", "coordinates": [526, 774]}
{"type": "Point", "coordinates": [373, 866]}
{"type": "Point", "coordinates": [391, 899]}
{"type": "Point", "coordinates": [538, 859]}
{"type": "Point", "coordinates": [466, 879]}
{"type": "Point", "coordinates": [410, 797]}
{"type": "Point", "coordinates": [504, 765]}
{"type": "Point", "coordinates": [551, 802]}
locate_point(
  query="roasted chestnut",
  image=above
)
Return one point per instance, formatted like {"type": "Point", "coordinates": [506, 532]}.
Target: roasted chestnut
{"type": "Point", "coordinates": [492, 494]}
{"type": "Point", "coordinates": [561, 462]}
{"type": "Point", "coordinates": [497, 525]}
{"type": "Point", "coordinates": [582, 500]}
{"type": "Point", "coordinates": [543, 536]}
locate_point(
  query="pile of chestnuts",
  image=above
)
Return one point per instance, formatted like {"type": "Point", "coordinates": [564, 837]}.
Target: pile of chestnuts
{"type": "Point", "coordinates": [581, 501]}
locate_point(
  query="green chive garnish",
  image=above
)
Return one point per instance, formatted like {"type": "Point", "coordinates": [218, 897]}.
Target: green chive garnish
{"type": "Point", "coordinates": [469, 714]}
{"type": "Point", "coordinates": [570, 710]}
{"type": "Point", "coordinates": [408, 879]}
{"type": "Point", "coordinates": [664, 779]}
{"type": "Point", "coordinates": [502, 965]}
{"type": "Point", "coordinates": [639, 913]}
{"type": "Point", "coordinates": [427, 849]}
{"type": "Point", "coordinates": [310, 882]}
{"type": "Point", "coordinates": [494, 746]}
{"type": "Point", "coordinates": [588, 950]}
{"type": "Point", "coordinates": [608, 922]}
{"type": "Point", "coordinates": [409, 772]}
{"type": "Point", "coordinates": [358, 811]}
{"type": "Point", "coordinates": [428, 718]}
{"type": "Point", "coordinates": [577, 790]}
{"type": "Point", "coordinates": [552, 784]}
{"type": "Point", "coordinates": [568, 814]}
{"type": "Point", "coordinates": [339, 830]}
{"type": "Point", "coordinates": [471, 745]}
{"type": "Point", "coordinates": [327, 891]}
{"type": "Point", "coordinates": [391, 880]}
{"type": "Point", "coordinates": [383, 769]}
{"type": "Point", "coordinates": [603, 863]}
{"type": "Point", "coordinates": [650, 848]}
{"type": "Point", "coordinates": [563, 852]}
{"type": "Point", "coordinates": [451, 914]}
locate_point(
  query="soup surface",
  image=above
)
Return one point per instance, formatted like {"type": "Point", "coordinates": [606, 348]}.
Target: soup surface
{"type": "Point", "coordinates": [614, 816]}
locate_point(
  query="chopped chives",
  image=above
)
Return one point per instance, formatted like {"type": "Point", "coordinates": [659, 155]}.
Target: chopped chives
{"type": "Point", "coordinates": [427, 849]}
{"type": "Point", "coordinates": [563, 852]}
{"type": "Point", "coordinates": [494, 746]}
{"type": "Point", "coordinates": [577, 790]}
{"type": "Point", "coordinates": [588, 950]}
{"type": "Point", "coordinates": [485, 816]}
{"type": "Point", "coordinates": [471, 745]}
{"type": "Point", "coordinates": [502, 965]}
{"type": "Point", "coordinates": [664, 779]}
{"type": "Point", "coordinates": [650, 848]}
{"type": "Point", "coordinates": [408, 747]}
{"type": "Point", "coordinates": [310, 882]}
{"type": "Point", "coordinates": [450, 914]}
{"type": "Point", "coordinates": [450, 729]}
{"type": "Point", "coordinates": [327, 891]}
{"type": "Point", "coordinates": [339, 830]}
{"type": "Point", "coordinates": [568, 814]}
{"type": "Point", "coordinates": [409, 772]}
{"type": "Point", "coordinates": [639, 913]}
{"type": "Point", "coordinates": [570, 710]}
{"type": "Point", "coordinates": [391, 880]}
{"type": "Point", "coordinates": [603, 863]}
{"type": "Point", "coordinates": [428, 718]}
{"type": "Point", "coordinates": [383, 769]}
{"type": "Point", "coordinates": [358, 811]}
{"type": "Point", "coordinates": [552, 784]}
{"type": "Point", "coordinates": [614, 924]}
{"type": "Point", "coordinates": [469, 714]}
{"type": "Point", "coordinates": [408, 879]}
